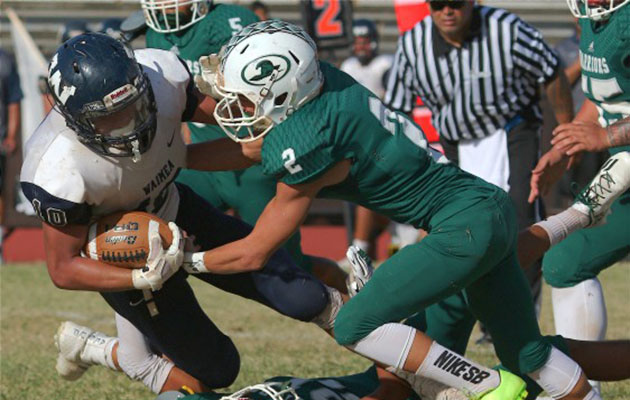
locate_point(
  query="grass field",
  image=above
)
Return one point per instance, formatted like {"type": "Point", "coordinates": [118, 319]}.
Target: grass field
{"type": "Point", "coordinates": [31, 309]}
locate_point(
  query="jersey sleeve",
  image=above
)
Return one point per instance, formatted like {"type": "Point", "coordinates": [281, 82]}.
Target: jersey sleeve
{"type": "Point", "coordinates": [54, 210]}
{"type": "Point", "coordinates": [301, 159]}
{"type": "Point", "coordinates": [532, 54]}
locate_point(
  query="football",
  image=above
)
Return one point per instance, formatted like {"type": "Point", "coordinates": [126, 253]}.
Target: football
{"type": "Point", "coordinates": [122, 238]}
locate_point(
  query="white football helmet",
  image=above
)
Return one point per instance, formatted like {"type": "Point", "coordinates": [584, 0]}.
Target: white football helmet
{"type": "Point", "coordinates": [595, 9]}
{"type": "Point", "coordinates": [164, 16]}
{"type": "Point", "coordinates": [265, 391]}
{"type": "Point", "coordinates": [268, 70]}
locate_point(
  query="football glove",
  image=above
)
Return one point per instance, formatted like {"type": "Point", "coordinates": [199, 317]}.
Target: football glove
{"type": "Point", "coordinates": [161, 264]}
{"type": "Point", "coordinates": [206, 82]}
{"type": "Point", "coordinates": [361, 270]}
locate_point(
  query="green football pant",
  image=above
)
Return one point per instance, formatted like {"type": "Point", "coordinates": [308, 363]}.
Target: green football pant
{"type": "Point", "coordinates": [473, 250]}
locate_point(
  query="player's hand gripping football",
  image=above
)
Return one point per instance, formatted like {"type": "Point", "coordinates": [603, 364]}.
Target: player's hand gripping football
{"type": "Point", "coordinates": [161, 264]}
{"type": "Point", "coordinates": [207, 81]}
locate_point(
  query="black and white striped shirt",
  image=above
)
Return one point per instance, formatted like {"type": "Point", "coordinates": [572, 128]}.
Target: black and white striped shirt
{"type": "Point", "coordinates": [477, 89]}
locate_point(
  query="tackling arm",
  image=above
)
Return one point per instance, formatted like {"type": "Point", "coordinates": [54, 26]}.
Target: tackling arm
{"type": "Point", "coordinates": [282, 216]}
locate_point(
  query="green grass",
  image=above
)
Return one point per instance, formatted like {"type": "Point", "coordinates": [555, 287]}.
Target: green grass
{"type": "Point", "coordinates": [31, 308]}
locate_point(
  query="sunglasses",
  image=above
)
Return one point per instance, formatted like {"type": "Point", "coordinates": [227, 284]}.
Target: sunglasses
{"type": "Point", "coordinates": [437, 5]}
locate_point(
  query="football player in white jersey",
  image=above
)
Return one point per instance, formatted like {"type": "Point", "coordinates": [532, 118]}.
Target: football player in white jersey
{"type": "Point", "coordinates": [113, 143]}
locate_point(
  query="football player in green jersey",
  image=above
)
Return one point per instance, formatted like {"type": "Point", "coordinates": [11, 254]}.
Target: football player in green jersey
{"type": "Point", "coordinates": [194, 28]}
{"type": "Point", "coordinates": [319, 133]}
{"type": "Point", "coordinates": [603, 123]}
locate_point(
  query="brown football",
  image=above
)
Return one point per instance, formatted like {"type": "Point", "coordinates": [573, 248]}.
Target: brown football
{"type": "Point", "coordinates": [122, 238]}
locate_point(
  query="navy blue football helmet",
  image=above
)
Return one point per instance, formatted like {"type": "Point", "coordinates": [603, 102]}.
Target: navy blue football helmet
{"type": "Point", "coordinates": [364, 28]}
{"type": "Point", "coordinates": [105, 97]}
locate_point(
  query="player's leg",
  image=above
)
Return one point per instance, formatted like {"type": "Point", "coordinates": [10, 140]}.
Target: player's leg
{"type": "Point", "coordinates": [571, 268]}
{"type": "Point", "coordinates": [181, 331]}
{"type": "Point", "coordinates": [139, 362]}
{"type": "Point", "coordinates": [451, 257]}
{"type": "Point", "coordinates": [280, 285]}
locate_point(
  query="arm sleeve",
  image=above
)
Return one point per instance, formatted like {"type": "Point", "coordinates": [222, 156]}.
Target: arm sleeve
{"type": "Point", "coordinates": [532, 55]}
{"type": "Point", "coordinates": [54, 210]}
{"type": "Point", "coordinates": [399, 93]}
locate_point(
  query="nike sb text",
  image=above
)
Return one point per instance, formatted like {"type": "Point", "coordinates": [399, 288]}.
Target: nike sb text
{"type": "Point", "coordinates": [460, 368]}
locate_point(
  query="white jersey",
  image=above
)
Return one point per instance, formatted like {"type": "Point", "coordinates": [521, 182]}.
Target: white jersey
{"type": "Point", "coordinates": [67, 183]}
{"type": "Point", "coordinates": [372, 76]}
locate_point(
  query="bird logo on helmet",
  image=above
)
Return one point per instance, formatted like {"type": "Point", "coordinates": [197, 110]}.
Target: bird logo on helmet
{"type": "Point", "coordinates": [104, 96]}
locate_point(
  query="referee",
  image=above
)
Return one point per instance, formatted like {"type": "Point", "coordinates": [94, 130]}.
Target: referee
{"type": "Point", "coordinates": [479, 70]}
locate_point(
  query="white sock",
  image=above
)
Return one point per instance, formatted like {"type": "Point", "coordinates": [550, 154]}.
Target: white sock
{"type": "Point", "coordinates": [593, 395]}
{"type": "Point", "coordinates": [137, 360]}
{"type": "Point", "coordinates": [559, 375]}
{"type": "Point", "coordinates": [451, 369]}
{"type": "Point", "coordinates": [559, 226]}
{"type": "Point", "coordinates": [388, 344]}
{"type": "Point", "coordinates": [98, 350]}
{"type": "Point", "coordinates": [362, 244]}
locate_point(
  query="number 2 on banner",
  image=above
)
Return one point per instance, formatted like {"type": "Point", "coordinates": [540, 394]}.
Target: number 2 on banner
{"type": "Point", "coordinates": [327, 23]}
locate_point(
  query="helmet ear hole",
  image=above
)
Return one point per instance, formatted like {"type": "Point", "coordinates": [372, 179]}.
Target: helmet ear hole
{"type": "Point", "coordinates": [279, 100]}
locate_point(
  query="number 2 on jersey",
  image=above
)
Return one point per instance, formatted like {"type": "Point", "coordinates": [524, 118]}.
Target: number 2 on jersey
{"type": "Point", "coordinates": [288, 155]}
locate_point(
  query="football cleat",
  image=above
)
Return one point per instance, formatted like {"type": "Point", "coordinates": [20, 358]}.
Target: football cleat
{"type": "Point", "coordinates": [611, 181]}
{"type": "Point", "coordinates": [361, 270]}
{"type": "Point", "coordinates": [511, 388]}
{"type": "Point", "coordinates": [78, 346]}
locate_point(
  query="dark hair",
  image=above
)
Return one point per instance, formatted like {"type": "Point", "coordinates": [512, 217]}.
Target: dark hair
{"type": "Point", "coordinates": [258, 5]}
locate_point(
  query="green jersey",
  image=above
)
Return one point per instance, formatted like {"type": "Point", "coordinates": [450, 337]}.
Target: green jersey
{"type": "Point", "coordinates": [202, 38]}
{"type": "Point", "coordinates": [351, 387]}
{"type": "Point", "coordinates": [393, 170]}
{"type": "Point", "coordinates": [605, 61]}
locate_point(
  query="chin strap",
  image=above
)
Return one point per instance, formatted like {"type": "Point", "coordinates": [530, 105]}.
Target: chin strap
{"type": "Point", "coordinates": [136, 151]}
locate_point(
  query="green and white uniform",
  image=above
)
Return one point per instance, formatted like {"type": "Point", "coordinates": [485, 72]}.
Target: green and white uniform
{"type": "Point", "coordinates": [351, 387]}
{"type": "Point", "coordinates": [605, 60]}
{"type": "Point", "coordinates": [471, 223]}
{"type": "Point", "coordinates": [247, 191]}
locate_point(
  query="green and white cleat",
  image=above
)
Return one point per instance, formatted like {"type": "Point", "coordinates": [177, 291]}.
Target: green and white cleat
{"type": "Point", "coordinates": [611, 181]}
{"type": "Point", "coordinates": [511, 388]}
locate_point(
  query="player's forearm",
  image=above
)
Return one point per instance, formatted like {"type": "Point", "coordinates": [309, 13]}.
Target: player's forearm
{"type": "Point", "coordinates": [81, 273]}
{"type": "Point", "coordinates": [217, 155]}
{"type": "Point", "coordinates": [619, 133]}
{"type": "Point", "coordinates": [274, 226]}
{"type": "Point", "coordinates": [559, 95]}
{"type": "Point", "coordinates": [231, 258]}
{"type": "Point", "coordinates": [588, 112]}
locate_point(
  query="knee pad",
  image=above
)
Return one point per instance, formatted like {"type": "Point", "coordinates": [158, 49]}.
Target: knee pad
{"type": "Point", "coordinates": [149, 368]}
